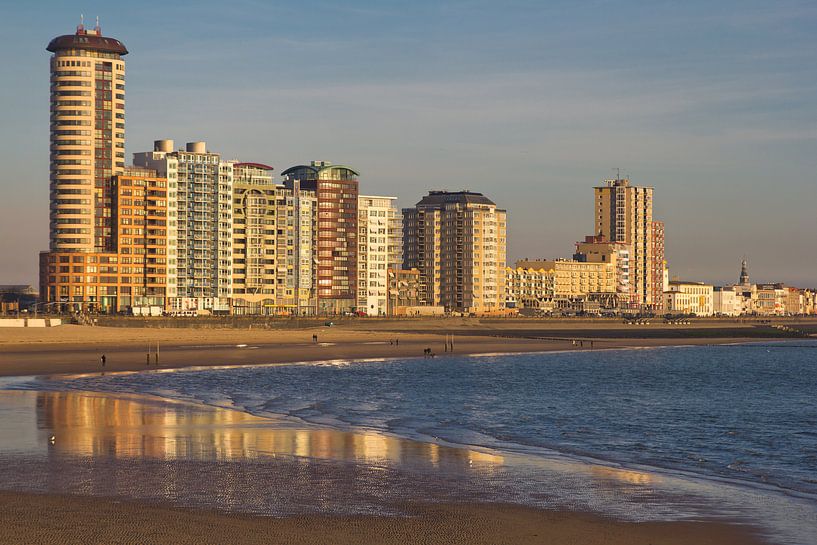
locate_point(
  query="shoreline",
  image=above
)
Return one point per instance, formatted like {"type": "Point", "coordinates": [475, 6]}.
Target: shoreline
{"type": "Point", "coordinates": [439, 521]}
{"type": "Point", "coordinates": [428, 493]}
{"type": "Point", "coordinates": [57, 351]}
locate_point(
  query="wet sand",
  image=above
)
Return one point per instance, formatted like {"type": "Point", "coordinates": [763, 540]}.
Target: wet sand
{"type": "Point", "coordinates": [76, 349]}
{"type": "Point", "coordinates": [139, 469]}
{"type": "Point", "coordinates": [57, 519]}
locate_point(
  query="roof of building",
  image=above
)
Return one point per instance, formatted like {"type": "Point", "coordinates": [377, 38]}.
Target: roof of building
{"type": "Point", "coordinates": [26, 289]}
{"type": "Point", "coordinates": [262, 166]}
{"type": "Point", "coordinates": [317, 167]}
{"type": "Point", "coordinates": [87, 41]}
{"type": "Point", "coordinates": [444, 197]}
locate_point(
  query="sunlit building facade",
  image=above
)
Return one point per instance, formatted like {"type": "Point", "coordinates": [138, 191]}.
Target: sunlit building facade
{"type": "Point", "coordinates": [200, 225]}
{"type": "Point", "coordinates": [657, 265]}
{"type": "Point", "coordinates": [623, 214]}
{"type": "Point", "coordinates": [273, 238]}
{"type": "Point", "coordinates": [573, 278]}
{"type": "Point", "coordinates": [87, 137]}
{"type": "Point", "coordinates": [134, 274]}
{"type": "Point", "coordinates": [689, 298]}
{"type": "Point", "coordinates": [596, 249]}
{"type": "Point", "coordinates": [457, 242]}
{"type": "Point", "coordinates": [379, 237]}
{"type": "Point", "coordinates": [336, 246]}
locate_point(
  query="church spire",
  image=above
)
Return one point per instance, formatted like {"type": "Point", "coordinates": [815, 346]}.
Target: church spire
{"type": "Point", "coordinates": [744, 273]}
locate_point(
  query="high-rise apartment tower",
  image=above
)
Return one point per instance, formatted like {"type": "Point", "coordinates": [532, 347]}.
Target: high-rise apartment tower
{"type": "Point", "coordinates": [87, 136]}
{"type": "Point", "coordinates": [200, 224]}
{"type": "Point", "coordinates": [457, 242]}
{"type": "Point", "coordinates": [623, 214]}
{"type": "Point", "coordinates": [336, 188]}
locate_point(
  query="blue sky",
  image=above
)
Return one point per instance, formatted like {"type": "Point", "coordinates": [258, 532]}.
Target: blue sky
{"type": "Point", "coordinates": [533, 103]}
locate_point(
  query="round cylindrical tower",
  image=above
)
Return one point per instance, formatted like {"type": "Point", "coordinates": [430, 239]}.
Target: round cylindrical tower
{"type": "Point", "coordinates": [163, 145]}
{"type": "Point", "coordinates": [197, 147]}
{"type": "Point", "coordinates": [87, 138]}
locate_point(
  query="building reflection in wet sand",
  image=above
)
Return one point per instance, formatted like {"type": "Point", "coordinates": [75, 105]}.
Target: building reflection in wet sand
{"type": "Point", "coordinates": [155, 450]}
{"type": "Point", "coordinates": [89, 424]}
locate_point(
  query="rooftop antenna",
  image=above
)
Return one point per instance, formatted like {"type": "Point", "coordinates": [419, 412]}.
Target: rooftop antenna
{"type": "Point", "coordinates": [81, 26]}
{"type": "Point", "coordinates": [97, 28]}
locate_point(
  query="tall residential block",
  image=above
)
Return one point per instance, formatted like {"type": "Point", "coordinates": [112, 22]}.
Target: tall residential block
{"type": "Point", "coordinates": [200, 224]}
{"type": "Point", "coordinates": [134, 275]}
{"type": "Point", "coordinates": [273, 237]}
{"type": "Point", "coordinates": [379, 248]}
{"type": "Point", "coordinates": [336, 189]}
{"type": "Point", "coordinates": [657, 265]}
{"type": "Point", "coordinates": [87, 138]}
{"type": "Point", "coordinates": [457, 242]}
{"type": "Point", "coordinates": [87, 134]}
{"type": "Point", "coordinates": [254, 240]}
{"type": "Point", "coordinates": [623, 214]}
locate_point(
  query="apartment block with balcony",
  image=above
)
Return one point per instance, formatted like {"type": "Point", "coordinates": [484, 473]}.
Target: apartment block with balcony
{"type": "Point", "coordinates": [623, 214]}
{"type": "Point", "coordinates": [273, 231]}
{"type": "Point", "coordinates": [200, 224]}
{"type": "Point", "coordinates": [336, 244]}
{"type": "Point", "coordinates": [457, 240]}
{"type": "Point", "coordinates": [134, 273]}
{"type": "Point", "coordinates": [379, 247]}
{"type": "Point", "coordinates": [87, 149]}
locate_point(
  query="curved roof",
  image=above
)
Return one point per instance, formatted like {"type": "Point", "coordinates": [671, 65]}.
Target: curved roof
{"type": "Point", "coordinates": [87, 41]}
{"type": "Point", "coordinates": [262, 166]}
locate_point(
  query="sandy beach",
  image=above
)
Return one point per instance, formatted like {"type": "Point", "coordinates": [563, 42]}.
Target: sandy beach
{"type": "Point", "coordinates": [55, 519]}
{"type": "Point", "coordinates": [75, 349]}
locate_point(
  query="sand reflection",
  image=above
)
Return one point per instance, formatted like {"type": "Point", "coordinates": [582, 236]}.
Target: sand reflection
{"type": "Point", "coordinates": [91, 424]}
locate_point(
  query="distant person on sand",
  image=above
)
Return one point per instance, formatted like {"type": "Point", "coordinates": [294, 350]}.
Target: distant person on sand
{"type": "Point", "coordinates": [102, 359]}
{"type": "Point", "coordinates": [148, 359]}
{"type": "Point", "coordinates": [314, 338]}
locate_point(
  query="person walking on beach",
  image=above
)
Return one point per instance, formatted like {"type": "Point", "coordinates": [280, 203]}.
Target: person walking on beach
{"type": "Point", "coordinates": [314, 339]}
{"type": "Point", "coordinates": [148, 360]}
{"type": "Point", "coordinates": [102, 359]}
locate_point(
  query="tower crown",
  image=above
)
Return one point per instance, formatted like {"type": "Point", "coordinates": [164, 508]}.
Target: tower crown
{"type": "Point", "coordinates": [90, 40]}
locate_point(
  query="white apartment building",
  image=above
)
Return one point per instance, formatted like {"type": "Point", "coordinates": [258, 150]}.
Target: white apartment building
{"type": "Point", "coordinates": [380, 247]}
{"type": "Point", "coordinates": [200, 224]}
{"type": "Point", "coordinates": [726, 302]}
{"type": "Point", "coordinates": [689, 298]}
